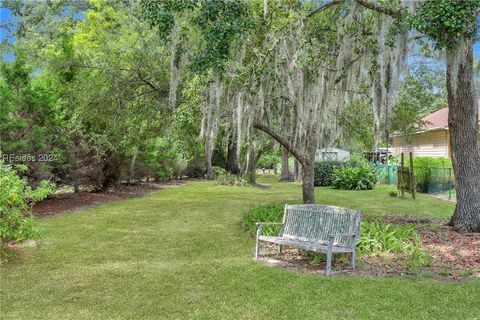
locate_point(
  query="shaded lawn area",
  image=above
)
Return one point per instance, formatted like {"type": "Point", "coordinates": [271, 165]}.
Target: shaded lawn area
{"type": "Point", "coordinates": [378, 201]}
{"type": "Point", "coordinates": [180, 253]}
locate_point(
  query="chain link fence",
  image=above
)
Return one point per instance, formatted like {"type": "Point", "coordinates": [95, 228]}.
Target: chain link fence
{"type": "Point", "coordinates": [438, 181]}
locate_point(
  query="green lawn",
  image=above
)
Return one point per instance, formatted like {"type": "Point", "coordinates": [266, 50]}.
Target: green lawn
{"type": "Point", "coordinates": [181, 254]}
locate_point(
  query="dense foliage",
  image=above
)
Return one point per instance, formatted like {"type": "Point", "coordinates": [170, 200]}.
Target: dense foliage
{"type": "Point", "coordinates": [16, 198]}
{"type": "Point", "coordinates": [357, 120]}
{"type": "Point", "coordinates": [355, 174]}
{"type": "Point", "coordinates": [446, 21]}
{"type": "Point", "coordinates": [324, 172]}
{"type": "Point", "coordinates": [422, 93]}
{"type": "Point", "coordinates": [93, 98]}
{"type": "Point", "coordinates": [354, 178]}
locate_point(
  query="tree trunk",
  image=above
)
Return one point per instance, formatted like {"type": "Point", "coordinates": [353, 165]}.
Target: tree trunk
{"type": "Point", "coordinates": [298, 171]}
{"type": "Point", "coordinates": [212, 128]}
{"type": "Point", "coordinates": [208, 160]}
{"type": "Point", "coordinates": [308, 188]}
{"type": "Point", "coordinates": [251, 162]}
{"type": "Point", "coordinates": [285, 172]}
{"type": "Point", "coordinates": [464, 136]}
{"type": "Point", "coordinates": [132, 166]}
{"type": "Point", "coordinates": [308, 166]}
{"type": "Point", "coordinates": [232, 155]}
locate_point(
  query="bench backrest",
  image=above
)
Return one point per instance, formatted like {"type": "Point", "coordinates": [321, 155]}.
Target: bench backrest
{"type": "Point", "coordinates": [314, 222]}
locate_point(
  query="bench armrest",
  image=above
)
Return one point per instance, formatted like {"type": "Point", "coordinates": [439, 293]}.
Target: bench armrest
{"type": "Point", "coordinates": [332, 237]}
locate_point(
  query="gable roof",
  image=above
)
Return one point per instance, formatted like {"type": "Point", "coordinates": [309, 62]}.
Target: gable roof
{"type": "Point", "coordinates": [438, 119]}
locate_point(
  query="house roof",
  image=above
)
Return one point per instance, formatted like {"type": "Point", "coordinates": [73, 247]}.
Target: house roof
{"type": "Point", "coordinates": [435, 121]}
{"type": "Point", "coordinates": [438, 119]}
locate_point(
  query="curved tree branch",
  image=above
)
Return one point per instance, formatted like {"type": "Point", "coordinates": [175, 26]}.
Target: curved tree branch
{"type": "Point", "coordinates": [322, 8]}
{"type": "Point", "coordinates": [390, 11]}
{"type": "Point", "coordinates": [280, 139]}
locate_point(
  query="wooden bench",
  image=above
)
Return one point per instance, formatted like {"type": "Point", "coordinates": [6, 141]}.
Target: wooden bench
{"type": "Point", "coordinates": [318, 228]}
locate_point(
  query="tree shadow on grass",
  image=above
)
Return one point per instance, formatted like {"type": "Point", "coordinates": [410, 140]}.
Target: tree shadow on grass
{"type": "Point", "coordinates": [261, 186]}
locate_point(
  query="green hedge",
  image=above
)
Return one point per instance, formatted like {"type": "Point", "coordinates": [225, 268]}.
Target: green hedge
{"type": "Point", "coordinates": [355, 173]}
{"type": "Point", "coordinates": [432, 174]}
{"type": "Point", "coordinates": [324, 171]}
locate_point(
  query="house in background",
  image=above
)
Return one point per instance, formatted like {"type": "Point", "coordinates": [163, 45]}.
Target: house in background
{"type": "Point", "coordinates": [335, 154]}
{"type": "Point", "coordinates": [433, 140]}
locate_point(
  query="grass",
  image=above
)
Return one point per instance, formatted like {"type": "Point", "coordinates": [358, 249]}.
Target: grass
{"type": "Point", "coordinates": [181, 254]}
{"type": "Point", "coordinates": [453, 194]}
{"type": "Point", "coordinates": [377, 201]}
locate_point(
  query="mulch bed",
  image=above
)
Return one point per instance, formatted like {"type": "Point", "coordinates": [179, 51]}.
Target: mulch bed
{"type": "Point", "coordinates": [453, 256]}
{"type": "Point", "coordinates": [64, 202]}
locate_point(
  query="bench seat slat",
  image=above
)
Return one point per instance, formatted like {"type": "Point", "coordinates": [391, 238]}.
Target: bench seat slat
{"type": "Point", "coordinates": [307, 245]}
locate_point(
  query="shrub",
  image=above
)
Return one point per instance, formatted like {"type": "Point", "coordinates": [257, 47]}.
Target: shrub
{"type": "Point", "coordinates": [324, 171]}
{"type": "Point", "coordinates": [195, 168]}
{"type": "Point", "coordinates": [162, 158]}
{"type": "Point", "coordinates": [16, 198]}
{"type": "Point", "coordinates": [354, 178]}
{"type": "Point", "coordinates": [225, 178]}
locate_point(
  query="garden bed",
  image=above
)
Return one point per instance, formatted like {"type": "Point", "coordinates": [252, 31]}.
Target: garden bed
{"type": "Point", "coordinates": [63, 202]}
{"type": "Point", "coordinates": [453, 256]}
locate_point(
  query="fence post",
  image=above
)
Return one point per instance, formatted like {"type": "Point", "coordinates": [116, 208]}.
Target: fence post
{"type": "Point", "coordinates": [388, 174]}
{"type": "Point", "coordinates": [412, 178]}
{"type": "Point", "coordinates": [402, 186]}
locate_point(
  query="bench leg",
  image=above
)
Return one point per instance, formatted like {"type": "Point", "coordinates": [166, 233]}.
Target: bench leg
{"type": "Point", "coordinates": [328, 271]}
{"type": "Point", "coordinates": [257, 249]}
{"type": "Point", "coordinates": [352, 263]}
{"type": "Point", "coordinates": [257, 244]}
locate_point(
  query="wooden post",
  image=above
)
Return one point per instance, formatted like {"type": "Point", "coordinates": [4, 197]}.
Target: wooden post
{"type": "Point", "coordinates": [402, 186]}
{"type": "Point", "coordinates": [412, 178]}
{"type": "Point", "coordinates": [399, 176]}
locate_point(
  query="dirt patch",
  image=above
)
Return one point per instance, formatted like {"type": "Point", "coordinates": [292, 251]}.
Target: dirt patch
{"type": "Point", "coordinates": [60, 203]}
{"type": "Point", "coordinates": [453, 256]}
